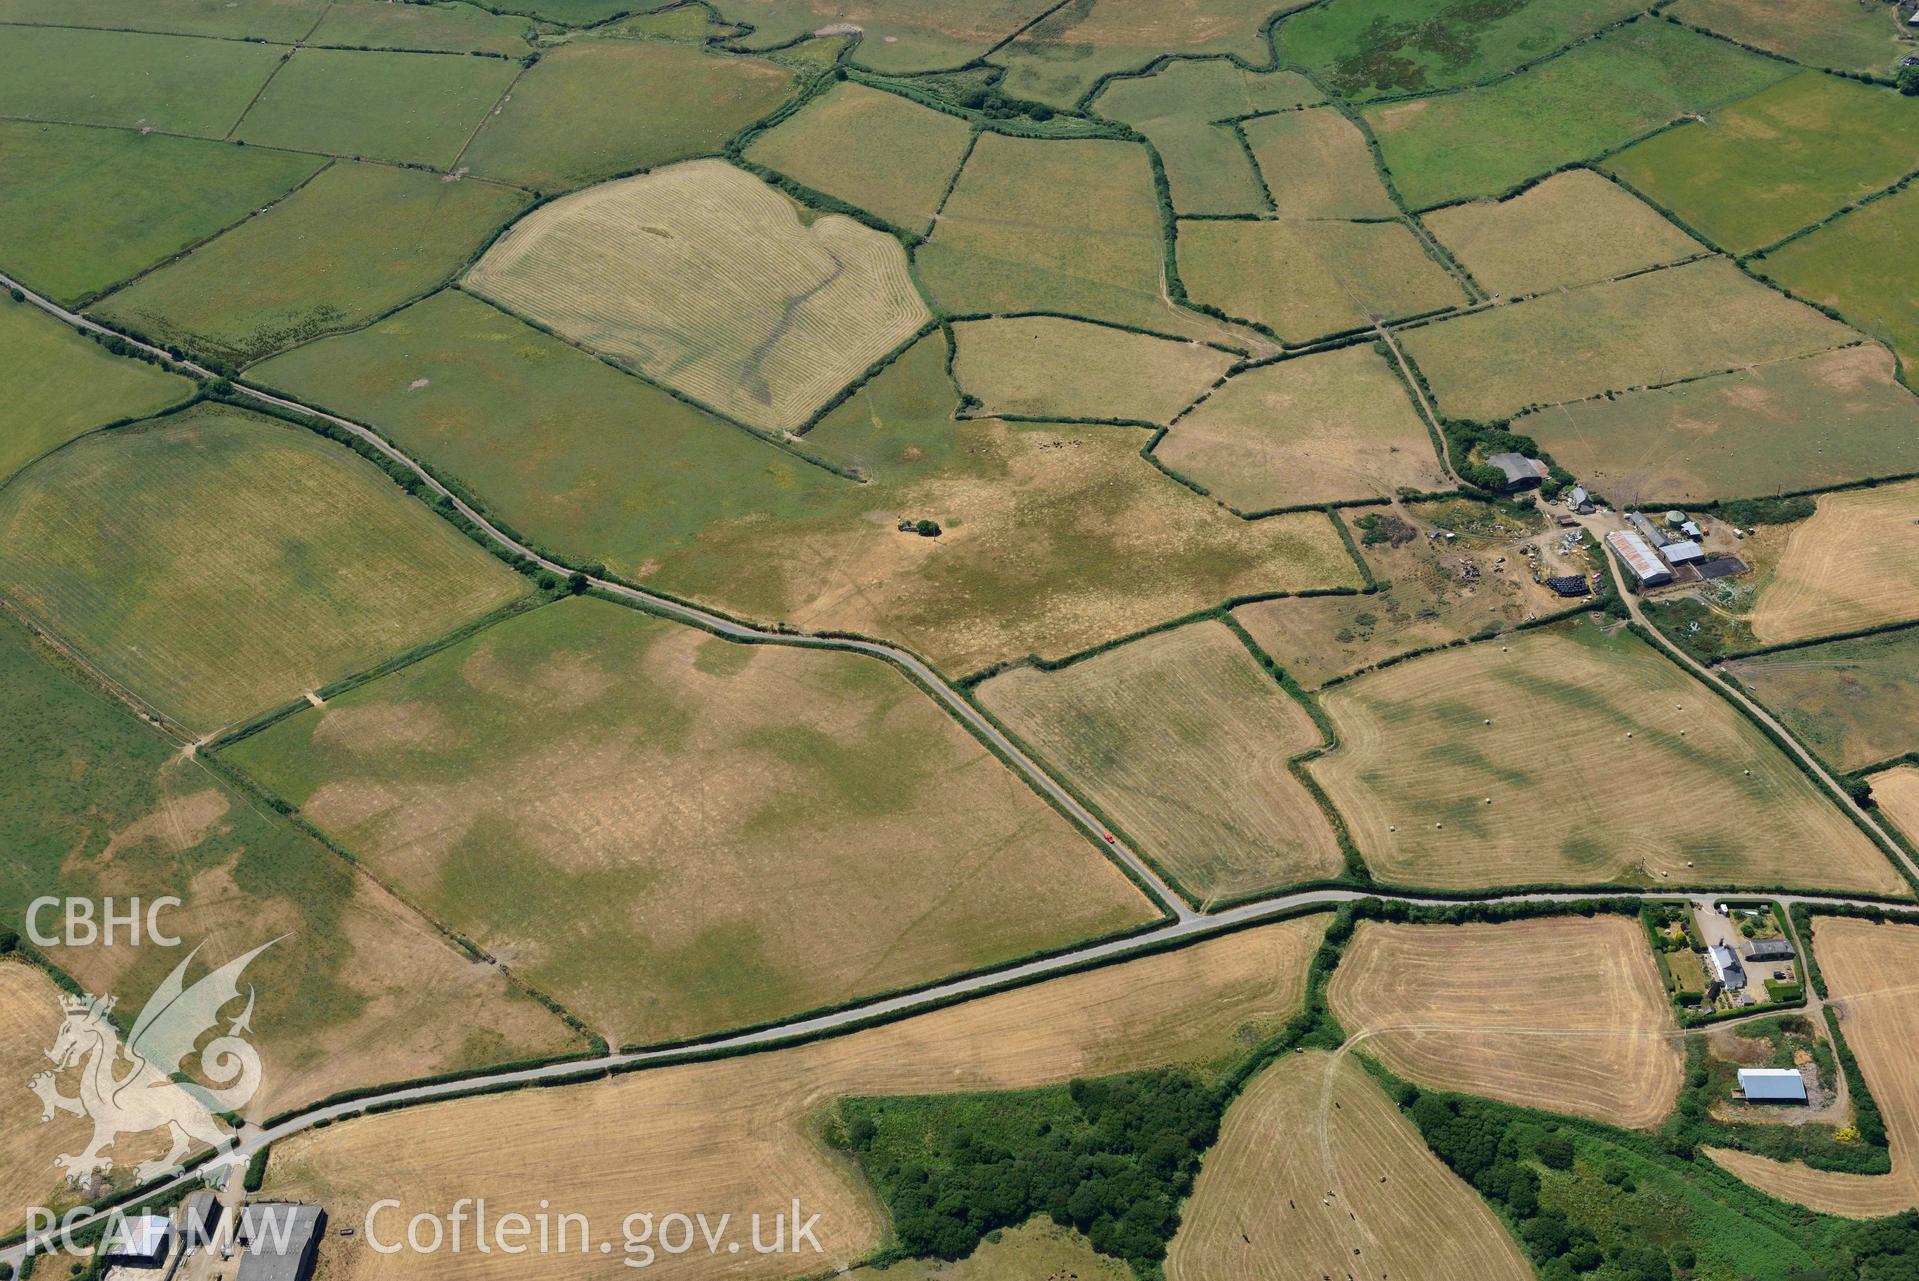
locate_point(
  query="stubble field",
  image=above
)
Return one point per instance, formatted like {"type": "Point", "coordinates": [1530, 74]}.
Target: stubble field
{"type": "Point", "coordinates": [1317, 1173]}
{"type": "Point", "coordinates": [1854, 563]}
{"type": "Point", "coordinates": [1183, 739]}
{"type": "Point", "coordinates": [1567, 1013]}
{"type": "Point", "coordinates": [218, 564]}
{"type": "Point", "coordinates": [744, 1132]}
{"type": "Point", "coordinates": [1317, 165]}
{"type": "Point", "coordinates": [850, 837]}
{"type": "Point", "coordinates": [1575, 755]}
{"type": "Point", "coordinates": [704, 277]}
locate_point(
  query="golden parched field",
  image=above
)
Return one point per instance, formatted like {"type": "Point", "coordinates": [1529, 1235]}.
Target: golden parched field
{"type": "Point", "coordinates": [1050, 367]}
{"type": "Point", "coordinates": [1318, 429]}
{"type": "Point", "coordinates": [1566, 1013]}
{"type": "Point", "coordinates": [742, 1134]}
{"type": "Point", "coordinates": [1873, 973]}
{"type": "Point", "coordinates": [1854, 563]}
{"type": "Point", "coordinates": [29, 1020]}
{"type": "Point", "coordinates": [1575, 228]}
{"type": "Point", "coordinates": [1897, 791]}
{"type": "Point", "coordinates": [1317, 1174]}
{"type": "Point", "coordinates": [1575, 755]}
{"type": "Point", "coordinates": [703, 277]}
{"type": "Point", "coordinates": [1183, 738]}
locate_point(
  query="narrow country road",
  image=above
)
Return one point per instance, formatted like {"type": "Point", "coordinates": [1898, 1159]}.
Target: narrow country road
{"type": "Point", "coordinates": [1184, 923]}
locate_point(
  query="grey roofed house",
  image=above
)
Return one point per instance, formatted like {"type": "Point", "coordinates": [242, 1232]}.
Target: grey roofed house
{"type": "Point", "coordinates": [1579, 500]}
{"type": "Point", "coordinates": [1725, 966]}
{"type": "Point", "coordinates": [280, 1239]}
{"type": "Point", "coordinates": [1521, 472]}
{"type": "Point", "coordinates": [1651, 532]}
{"type": "Point", "coordinates": [1769, 950]}
{"type": "Point", "coordinates": [1772, 1085]}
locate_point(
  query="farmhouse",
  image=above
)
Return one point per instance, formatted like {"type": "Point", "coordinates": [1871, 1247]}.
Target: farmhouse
{"type": "Point", "coordinates": [1640, 558]}
{"type": "Point", "coordinates": [1579, 500]}
{"type": "Point", "coordinates": [280, 1239]}
{"type": "Point", "coordinates": [1726, 968]}
{"type": "Point", "coordinates": [1521, 472]}
{"type": "Point", "coordinates": [1769, 950]}
{"type": "Point", "coordinates": [141, 1241]}
{"type": "Point", "coordinates": [1772, 1085]}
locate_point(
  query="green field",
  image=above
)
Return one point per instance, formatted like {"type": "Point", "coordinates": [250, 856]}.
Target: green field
{"type": "Point", "coordinates": [1761, 169]}
{"type": "Point", "coordinates": [675, 834]}
{"type": "Point", "coordinates": [175, 83]}
{"type": "Point", "coordinates": [1055, 226]}
{"type": "Point", "coordinates": [216, 563]}
{"type": "Point", "coordinates": [356, 241]}
{"type": "Point", "coordinates": [1866, 265]}
{"type": "Point", "coordinates": [1855, 702]}
{"type": "Point", "coordinates": [562, 447]}
{"type": "Point", "coordinates": [1180, 108]}
{"type": "Point", "coordinates": [280, 20]}
{"type": "Point", "coordinates": [57, 384]}
{"type": "Point", "coordinates": [411, 108]}
{"type": "Point", "coordinates": [1601, 95]}
{"type": "Point", "coordinates": [452, 28]}
{"type": "Point", "coordinates": [882, 152]}
{"type": "Point", "coordinates": [1060, 58]}
{"type": "Point", "coordinates": [1306, 279]}
{"type": "Point", "coordinates": [1575, 228]}
{"type": "Point", "coordinates": [572, 119]}
{"type": "Point", "coordinates": [361, 992]}
{"type": "Point", "coordinates": [1702, 317]}
{"type": "Point", "coordinates": [1806, 423]}
{"type": "Point", "coordinates": [1846, 35]}
{"type": "Point", "coordinates": [1368, 48]}
{"type": "Point", "coordinates": [83, 209]}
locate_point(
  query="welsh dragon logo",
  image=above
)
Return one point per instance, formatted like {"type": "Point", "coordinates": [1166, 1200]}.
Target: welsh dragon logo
{"type": "Point", "coordinates": [138, 1086]}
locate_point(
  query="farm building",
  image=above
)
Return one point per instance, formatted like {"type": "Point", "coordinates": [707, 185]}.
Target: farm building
{"type": "Point", "coordinates": [1521, 472]}
{"type": "Point", "coordinates": [1772, 1085]}
{"type": "Point", "coordinates": [1570, 585]}
{"type": "Point", "coordinates": [1683, 553]}
{"type": "Point", "coordinates": [140, 1241]}
{"type": "Point", "coordinates": [280, 1239]}
{"type": "Point", "coordinates": [1579, 500]}
{"type": "Point", "coordinates": [1725, 966]}
{"type": "Point", "coordinates": [1769, 950]}
{"type": "Point", "coordinates": [1647, 529]}
{"type": "Point", "coordinates": [199, 1216]}
{"type": "Point", "coordinates": [1640, 558]}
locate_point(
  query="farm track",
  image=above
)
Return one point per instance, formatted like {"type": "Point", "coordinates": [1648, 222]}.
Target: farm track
{"type": "Point", "coordinates": [1186, 925]}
